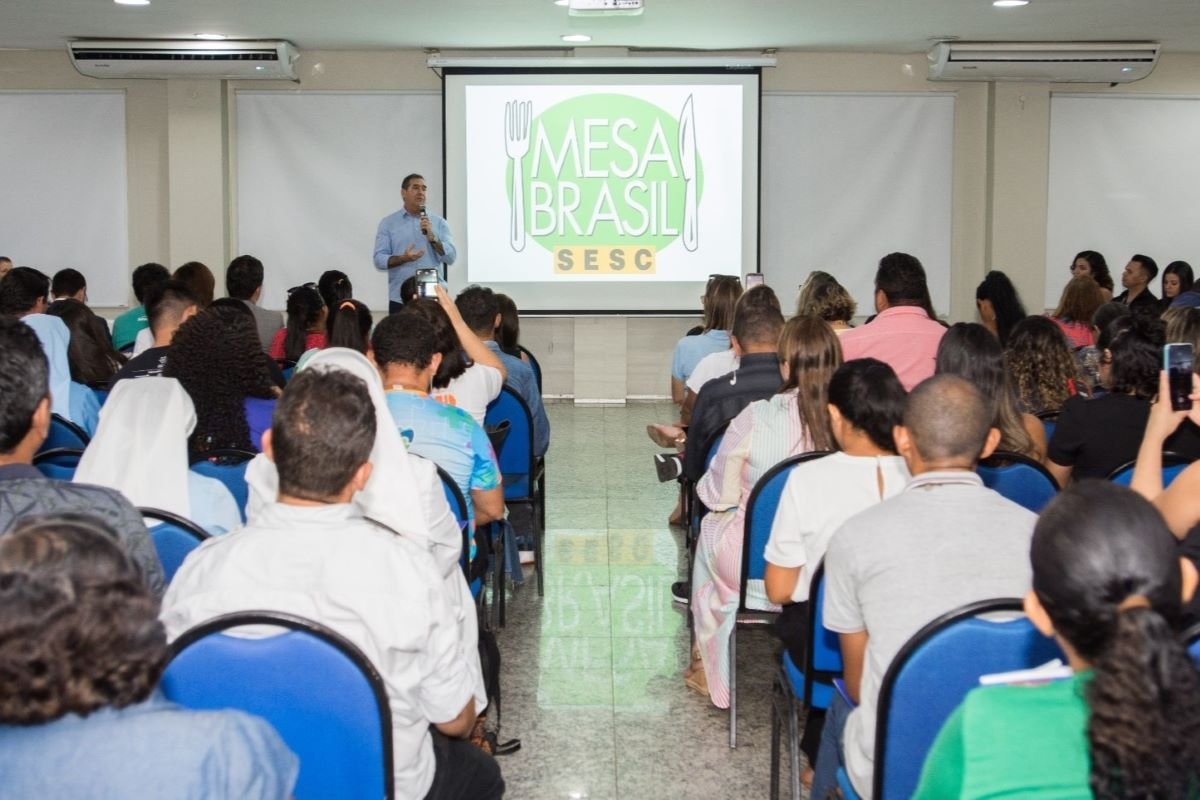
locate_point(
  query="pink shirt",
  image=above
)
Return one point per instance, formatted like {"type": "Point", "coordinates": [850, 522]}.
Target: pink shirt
{"type": "Point", "coordinates": [903, 337]}
{"type": "Point", "coordinates": [1078, 334]}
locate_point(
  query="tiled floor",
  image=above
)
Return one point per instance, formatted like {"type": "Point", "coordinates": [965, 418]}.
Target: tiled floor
{"type": "Point", "coordinates": [592, 672]}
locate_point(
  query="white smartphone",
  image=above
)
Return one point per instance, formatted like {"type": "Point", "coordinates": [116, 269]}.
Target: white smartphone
{"type": "Point", "coordinates": [427, 281]}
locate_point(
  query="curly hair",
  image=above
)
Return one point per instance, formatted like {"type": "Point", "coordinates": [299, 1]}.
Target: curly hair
{"type": "Point", "coordinates": [1135, 343]}
{"type": "Point", "coordinates": [217, 357]}
{"type": "Point", "coordinates": [1079, 300]}
{"type": "Point", "coordinates": [815, 280]}
{"type": "Point", "coordinates": [80, 630]}
{"type": "Point", "coordinates": [812, 353]}
{"type": "Point", "coordinates": [822, 296]}
{"type": "Point", "coordinates": [1098, 266]}
{"type": "Point", "coordinates": [92, 358]}
{"type": "Point", "coordinates": [1041, 365]}
{"type": "Point", "coordinates": [1106, 570]}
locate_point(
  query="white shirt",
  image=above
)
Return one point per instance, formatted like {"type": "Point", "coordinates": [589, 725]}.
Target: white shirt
{"type": "Point", "coordinates": [143, 341]}
{"type": "Point", "coordinates": [379, 590]}
{"type": "Point", "coordinates": [473, 390]}
{"type": "Point", "coordinates": [817, 498]}
{"type": "Point", "coordinates": [713, 365]}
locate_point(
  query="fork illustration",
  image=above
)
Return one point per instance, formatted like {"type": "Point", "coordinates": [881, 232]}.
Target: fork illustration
{"type": "Point", "coordinates": [517, 118]}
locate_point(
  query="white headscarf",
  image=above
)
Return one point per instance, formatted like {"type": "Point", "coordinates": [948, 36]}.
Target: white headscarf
{"type": "Point", "coordinates": [391, 495]}
{"type": "Point", "coordinates": [140, 446]}
{"type": "Point", "coordinates": [55, 337]}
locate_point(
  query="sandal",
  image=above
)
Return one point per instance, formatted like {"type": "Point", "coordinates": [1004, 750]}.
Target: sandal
{"type": "Point", "coordinates": [697, 682]}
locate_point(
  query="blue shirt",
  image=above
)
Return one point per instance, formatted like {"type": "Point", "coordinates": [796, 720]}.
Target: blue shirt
{"type": "Point", "coordinates": [691, 349]}
{"type": "Point", "coordinates": [152, 749]}
{"type": "Point", "coordinates": [397, 232]}
{"type": "Point", "coordinates": [449, 437]}
{"type": "Point", "coordinates": [522, 380]}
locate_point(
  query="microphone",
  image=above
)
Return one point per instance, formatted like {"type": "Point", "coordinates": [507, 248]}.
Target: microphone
{"type": "Point", "coordinates": [424, 216]}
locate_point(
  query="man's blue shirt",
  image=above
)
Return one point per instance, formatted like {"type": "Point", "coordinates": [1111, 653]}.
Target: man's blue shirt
{"type": "Point", "coordinates": [397, 232]}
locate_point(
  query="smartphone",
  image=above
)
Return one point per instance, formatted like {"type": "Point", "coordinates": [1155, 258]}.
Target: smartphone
{"type": "Point", "coordinates": [754, 279]}
{"type": "Point", "coordinates": [427, 281]}
{"type": "Point", "coordinates": [1179, 362]}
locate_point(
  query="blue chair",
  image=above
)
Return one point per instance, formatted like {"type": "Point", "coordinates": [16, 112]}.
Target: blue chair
{"type": "Point", "coordinates": [1019, 478]}
{"type": "Point", "coordinates": [317, 689]}
{"type": "Point", "coordinates": [524, 474]}
{"type": "Point", "coordinates": [64, 434]}
{"type": "Point", "coordinates": [58, 464]}
{"type": "Point", "coordinates": [101, 395]}
{"type": "Point", "coordinates": [1049, 422]}
{"type": "Point", "coordinates": [174, 537]}
{"type": "Point", "coordinates": [464, 520]}
{"type": "Point", "coordinates": [810, 684]}
{"type": "Point", "coordinates": [760, 515]}
{"type": "Point", "coordinates": [533, 362]}
{"type": "Point", "coordinates": [1191, 640]}
{"type": "Point", "coordinates": [1173, 464]}
{"type": "Point", "coordinates": [694, 509]}
{"type": "Point", "coordinates": [932, 674]}
{"type": "Point", "coordinates": [228, 465]}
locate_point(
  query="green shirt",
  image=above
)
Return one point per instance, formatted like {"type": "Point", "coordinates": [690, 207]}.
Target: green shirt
{"type": "Point", "coordinates": [1013, 741]}
{"type": "Point", "coordinates": [127, 326]}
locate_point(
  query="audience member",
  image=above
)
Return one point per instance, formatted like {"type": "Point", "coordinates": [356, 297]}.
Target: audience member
{"type": "Point", "coordinates": [82, 651]}
{"type": "Point", "coordinates": [312, 552]}
{"type": "Point", "coordinates": [943, 542]}
{"type": "Point", "coordinates": [904, 335]}
{"type": "Point", "coordinates": [1095, 436]}
{"type": "Point", "coordinates": [970, 351]}
{"type": "Point", "coordinates": [148, 463]}
{"type": "Point", "coordinates": [1107, 585]}
{"type": "Point", "coordinates": [831, 302]}
{"type": "Point", "coordinates": [1080, 299]}
{"type": "Point", "coordinates": [168, 305]}
{"type": "Point", "coordinates": [866, 402]}
{"type": "Point", "coordinates": [999, 305]}
{"type": "Point", "coordinates": [91, 356]}
{"type": "Point", "coordinates": [480, 310]}
{"type": "Point", "coordinates": [1089, 357]}
{"type": "Point", "coordinates": [816, 279]}
{"type": "Point", "coordinates": [1043, 371]}
{"type": "Point", "coordinates": [349, 325]}
{"type": "Point", "coordinates": [199, 279]}
{"type": "Point", "coordinates": [69, 284]}
{"type": "Point", "coordinates": [6, 266]}
{"type": "Point", "coordinates": [795, 420]}
{"type": "Point", "coordinates": [1177, 278]}
{"type": "Point", "coordinates": [508, 332]}
{"type": "Point", "coordinates": [1183, 325]}
{"type": "Point", "coordinates": [1136, 279]}
{"type": "Point", "coordinates": [127, 326]}
{"type": "Point", "coordinates": [24, 423]}
{"type": "Point", "coordinates": [306, 313]}
{"type": "Point", "coordinates": [335, 287]}
{"type": "Point", "coordinates": [235, 313]}
{"type": "Point", "coordinates": [405, 345]}
{"type": "Point", "coordinates": [1090, 264]}
{"type": "Point", "coordinates": [218, 365]}
{"type": "Point", "coordinates": [720, 295]}
{"type": "Point", "coordinates": [68, 399]}
{"type": "Point", "coordinates": [244, 281]}
{"type": "Point", "coordinates": [24, 291]}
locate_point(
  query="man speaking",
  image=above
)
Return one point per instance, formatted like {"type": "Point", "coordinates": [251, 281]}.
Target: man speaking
{"type": "Point", "coordinates": [411, 239]}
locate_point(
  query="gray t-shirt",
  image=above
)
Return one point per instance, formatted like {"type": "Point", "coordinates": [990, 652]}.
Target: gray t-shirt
{"type": "Point", "coordinates": [943, 542]}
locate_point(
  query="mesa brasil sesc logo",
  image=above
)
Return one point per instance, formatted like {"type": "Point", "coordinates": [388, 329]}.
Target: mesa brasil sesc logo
{"type": "Point", "coordinates": [603, 182]}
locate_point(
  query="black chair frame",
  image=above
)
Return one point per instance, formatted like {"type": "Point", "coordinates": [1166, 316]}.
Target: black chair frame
{"type": "Point", "coordinates": [56, 452]}
{"type": "Point", "coordinates": [1001, 457]}
{"type": "Point", "coordinates": [536, 499]}
{"type": "Point", "coordinates": [911, 646]}
{"type": "Point", "coordinates": [1169, 459]}
{"type": "Point", "coordinates": [328, 635]}
{"type": "Point", "coordinates": [72, 427]}
{"type": "Point", "coordinates": [183, 523]}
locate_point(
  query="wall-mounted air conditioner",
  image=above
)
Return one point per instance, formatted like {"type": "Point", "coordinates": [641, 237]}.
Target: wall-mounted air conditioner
{"type": "Point", "coordinates": [1070, 62]}
{"type": "Point", "coordinates": [149, 58]}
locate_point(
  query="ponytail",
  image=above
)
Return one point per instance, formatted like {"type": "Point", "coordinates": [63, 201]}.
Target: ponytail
{"type": "Point", "coordinates": [304, 306]}
{"type": "Point", "coordinates": [1144, 697]}
{"type": "Point", "coordinates": [349, 325]}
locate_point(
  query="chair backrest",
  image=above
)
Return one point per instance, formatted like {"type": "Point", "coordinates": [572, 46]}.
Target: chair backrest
{"type": "Point", "coordinates": [932, 674]}
{"type": "Point", "coordinates": [1019, 478]}
{"type": "Point", "coordinates": [498, 436]}
{"type": "Point", "coordinates": [64, 434]}
{"type": "Point", "coordinates": [58, 464]}
{"type": "Point", "coordinates": [517, 456]}
{"type": "Point", "coordinates": [228, 465]}
{"type": "Point", "coordinates": [1172, 465]}
{"type": "Point", "coordinates": [317, 689]}
{"type": "Point", "coordinates": [760, 515]}
{"type": "Point", "coordinates": [823, 650]}
{"type": "Point", "coordinates": [533, 363]}
{"type": "Point", "coordinates": [174, 537]}
{"type": "Point", "coordinates": [1191, 640]}
{"type": "Point", "coordinates": [458, 505]}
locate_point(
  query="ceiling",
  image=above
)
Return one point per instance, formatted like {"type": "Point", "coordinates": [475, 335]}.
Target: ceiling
{"type": "Point", "coordinates": [896, 26]}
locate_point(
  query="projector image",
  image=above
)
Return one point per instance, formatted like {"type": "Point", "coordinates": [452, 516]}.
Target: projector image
{"type": "Point", "coordinates": [598, 8]}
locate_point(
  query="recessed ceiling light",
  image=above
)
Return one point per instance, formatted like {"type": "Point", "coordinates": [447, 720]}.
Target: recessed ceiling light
{"type": "Point", "coordinates": [1009, 3]}
{"type": "Point", "coordinates": [132, 2]}
{"type": "Point", "coordinates": [211, 37]}
{"type": "Point", "coordinates": [576, 37]}
{"type": "Point", "coordinates": [562, 2]}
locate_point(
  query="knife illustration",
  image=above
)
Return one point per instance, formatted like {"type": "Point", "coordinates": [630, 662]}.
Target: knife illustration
{"type": "Point", "coordinates": [687, 160]}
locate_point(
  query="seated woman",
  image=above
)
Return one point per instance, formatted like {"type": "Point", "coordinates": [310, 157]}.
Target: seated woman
{"type": "Point", "coordinates": [1177, 278]}
{"type": "Point", "coordinates": [866, 401]}
{"type": "Point", "coordinates": [1079, 301]}
{"type": "Point", "coordinates": [720, 296]}
{"type": "Point", "coordinates": [148, 462]}
{"type": "Point", "coordinates": [334, 287]}
{"type": "Point", "coordinates": [794, 421]}
{"type": "Point", "coordinates": [1090, 264]}
{"type": "Point", "coordinates": [305, 329]}
{"type": "Point", "coordinates": [221, 368]}
{"type": "Point", "coordinates": [829, 300]}
{"type": "Point", "coordinates": [1043, 371]}
{"type": "Point", "coordinates": [93, 359]}
{"type": "Point", "coordinates": [69, 398]}
{"type": "Point", "coordinates": [347, 325]}
{"type": "Point", "coordinates": [1095, 436]}
{"type": "Point", "coordinates": [81, 651]}
{"type": "Point", "coordinates": [1108, 586]}
{"type": "Point", "coordinates": [971, 351]}
{"type": "Point", "coordinates": [508, 332]}
{"type": "Point", "coordinates": [999, 305]}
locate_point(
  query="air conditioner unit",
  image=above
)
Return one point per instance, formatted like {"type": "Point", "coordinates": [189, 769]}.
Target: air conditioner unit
{"type": "Point", "coordinates": [1074, 62]}
{"type": "Point", "coordinates": [605, 8]}
{"type": "Point", "coordinates": [235, 60]}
